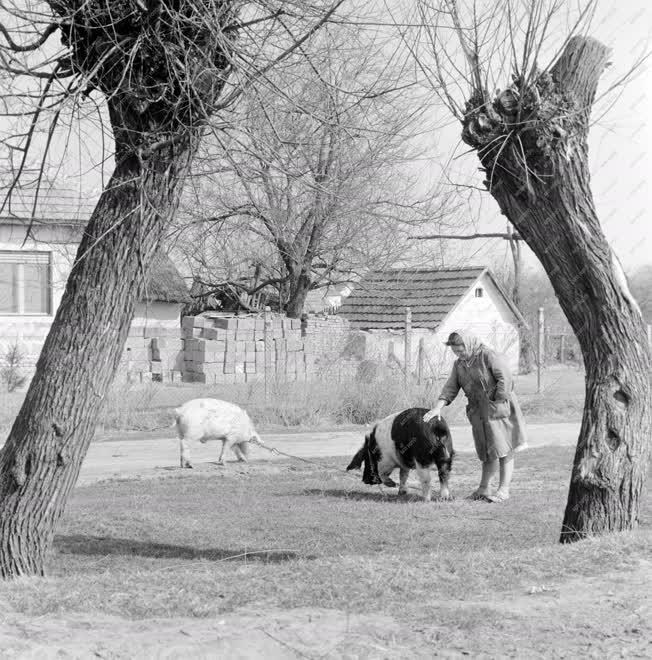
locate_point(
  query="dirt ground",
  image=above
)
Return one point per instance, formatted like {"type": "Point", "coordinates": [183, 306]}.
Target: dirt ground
{"type": "Point", "coordinates": [606, 617]}
{"type": "Point", "coordinates": [609, 616]}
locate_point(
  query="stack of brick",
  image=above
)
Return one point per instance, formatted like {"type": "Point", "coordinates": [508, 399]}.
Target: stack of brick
{"type": "Point", "coordinates": [153, 354]}
{"type": "Point", "coordinates": [221, 349]}
{"type": "Point", "coordinates": [236, 349]}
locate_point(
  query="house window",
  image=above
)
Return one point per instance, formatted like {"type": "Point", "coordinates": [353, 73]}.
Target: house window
{"type": "Point", "coordinates": [479, 292]}
{"type": "Point", "coordinates": [25, 283]}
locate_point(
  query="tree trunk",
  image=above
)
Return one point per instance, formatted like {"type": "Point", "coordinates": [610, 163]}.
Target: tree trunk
{"type": "Point", "coordinates": [550, 204]}
{"type": "Point", "coordinates": [299, 288]}
{"type": "Point", "coordinates": [40, 461]}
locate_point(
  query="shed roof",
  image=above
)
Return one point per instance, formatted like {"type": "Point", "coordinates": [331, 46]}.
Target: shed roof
{"type": "Point", "coordinates": [380, 298]}
{"type": "Point", "coordinates": [60, 207]}
{"type": "Point", "coordinates": [164, 282]}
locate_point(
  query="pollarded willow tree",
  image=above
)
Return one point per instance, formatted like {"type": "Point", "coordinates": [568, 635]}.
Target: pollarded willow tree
{"type": "Point", "coordinates": [531, 140]}
{"type": "Point", "coordinates": [162, 68]}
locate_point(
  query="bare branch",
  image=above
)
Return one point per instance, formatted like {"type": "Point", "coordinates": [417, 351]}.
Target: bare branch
{"type": "Point", "coordinates": [34, 45]}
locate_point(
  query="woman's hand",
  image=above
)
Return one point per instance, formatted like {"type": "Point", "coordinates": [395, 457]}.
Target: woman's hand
{"type": "Point", "coordinates": [435, 412]}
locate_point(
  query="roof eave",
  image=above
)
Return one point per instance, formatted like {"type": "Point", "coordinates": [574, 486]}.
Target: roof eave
{"type": "Point", "coordinates": [510, 303]}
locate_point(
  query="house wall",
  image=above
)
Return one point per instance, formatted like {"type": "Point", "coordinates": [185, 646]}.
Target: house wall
{"type": "Point", "coordinates": [155, 319]}
{"type": "Point", "coordinates": [154, 315]}
{"type": "Point", "coordinates": [29, 331]}
{"type": "Point", "coordinates": [488, 317]}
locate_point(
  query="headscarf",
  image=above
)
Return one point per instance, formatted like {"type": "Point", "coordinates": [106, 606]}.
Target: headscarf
{"type": "Point", "coordinates": [472, 344]}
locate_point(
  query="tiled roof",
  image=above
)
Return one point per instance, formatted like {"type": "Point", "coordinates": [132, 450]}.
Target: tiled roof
{"type": "Point", "coordinates": [164, 283]}
{"type": "Point", "coordinates": [380, 298]}
{"type": "Point", "coordinates": [52, 206]}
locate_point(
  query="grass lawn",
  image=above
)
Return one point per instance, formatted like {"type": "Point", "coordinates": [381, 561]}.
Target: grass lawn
{"type": "Point", "coordinates": [460, 577]}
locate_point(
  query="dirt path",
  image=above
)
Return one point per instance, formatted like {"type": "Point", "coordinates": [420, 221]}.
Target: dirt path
{"type": "Point", "coordinates": [146, 455]}
{"type": "Point", "coordinates": [605, 617]}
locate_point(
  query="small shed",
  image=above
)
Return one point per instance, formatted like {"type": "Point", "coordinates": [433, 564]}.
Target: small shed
{"type": "Point", "coordinates": [440, 301]}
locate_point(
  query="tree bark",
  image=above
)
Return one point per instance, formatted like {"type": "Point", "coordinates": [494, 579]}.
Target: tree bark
{"type": "Point", "coordinates": [40, 461]}
{"type": "Point", "coordinates": [536, 161]}
{"type": "Point", "coordinates": [299, 288]}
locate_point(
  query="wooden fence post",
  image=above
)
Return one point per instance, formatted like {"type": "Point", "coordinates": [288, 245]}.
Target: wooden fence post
{"type": "Point", "coordinates": [420, 359]}
{"type": "Point", "coordinates": [562, 349]}
{"type": "Point", "coordinates": [408, 343]}
{"type": "Point", "coordinates": [267, 356]}
{"type": "Point", "coordinates": [540, 348]}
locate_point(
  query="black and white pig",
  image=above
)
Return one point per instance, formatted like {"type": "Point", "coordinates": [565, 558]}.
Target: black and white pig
{"type": "Point", "coordinates": [403, 440]}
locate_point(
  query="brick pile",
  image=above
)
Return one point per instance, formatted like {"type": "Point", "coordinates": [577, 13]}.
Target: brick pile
{"type": "Point", "coordinates": [153, 354]}
{"type": "Point", "coordinates": [230, 349]}
{"type": "Point", "coordinates": [240, 349]}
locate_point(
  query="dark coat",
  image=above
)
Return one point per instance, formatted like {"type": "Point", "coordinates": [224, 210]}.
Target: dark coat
{"type": "Point", "coordinates": [493, 410]}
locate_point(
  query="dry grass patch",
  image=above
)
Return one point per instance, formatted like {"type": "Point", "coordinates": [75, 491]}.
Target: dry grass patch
{"type": "Point", "coordinates": [323, 404]}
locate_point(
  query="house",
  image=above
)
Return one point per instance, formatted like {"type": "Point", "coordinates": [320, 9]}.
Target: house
{"type": "Point", "coordinates": [327, 298]}
{"type": "Point", "coordinates": [36, 257]}
{"type": "Point", "coordinates": [440, 301]}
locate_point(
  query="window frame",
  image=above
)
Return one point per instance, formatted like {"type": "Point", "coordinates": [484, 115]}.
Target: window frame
{"type": "Point", "coordinates": [479, 292]}
{"type": "Point", "coordinates": [20, 259]}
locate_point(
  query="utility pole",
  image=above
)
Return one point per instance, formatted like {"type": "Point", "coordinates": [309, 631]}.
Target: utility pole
{"type": "Point", "coordinates": [514, 244]}
{"type": "Point", "coordinates": [515, 247]}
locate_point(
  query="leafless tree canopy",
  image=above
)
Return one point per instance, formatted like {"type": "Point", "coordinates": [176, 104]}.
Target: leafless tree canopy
{"type": "Point", "coordinates": [317, 159]}
{"type": "Point", "coordinates": [163, 68]}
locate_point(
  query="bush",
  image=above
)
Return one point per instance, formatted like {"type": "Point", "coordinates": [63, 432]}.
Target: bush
{"type": "Point", "coordinates": [10, 371]}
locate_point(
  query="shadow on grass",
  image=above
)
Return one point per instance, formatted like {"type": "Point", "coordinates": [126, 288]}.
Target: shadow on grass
{"type": "Point", "coordinates": [79, 544]}
{"type": "Point", "coordinates": [414, 495]}
{"type": "Point", "coordinates": [369, 496]}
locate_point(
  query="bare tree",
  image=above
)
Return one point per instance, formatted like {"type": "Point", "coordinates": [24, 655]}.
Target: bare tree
{"type": "Point", "coordinates": [531, 140]}
{"type": "Point", "coordinates": [320, 180]}
{"type": "Point", "coordinates": [162, 71]}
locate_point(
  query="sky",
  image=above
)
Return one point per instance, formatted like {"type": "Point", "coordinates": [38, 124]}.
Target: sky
{"type": "Point", "coordinates": [620, 143]}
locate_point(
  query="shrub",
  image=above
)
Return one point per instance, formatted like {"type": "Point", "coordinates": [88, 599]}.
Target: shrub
{"type": "Point", "coordinates": [10, 371]}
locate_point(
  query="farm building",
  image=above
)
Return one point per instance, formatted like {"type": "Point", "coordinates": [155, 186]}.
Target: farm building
{"type": "Point", "coordinates": [440, 302]}
{"type": "Point", "coordinates": [36, 258]}
{"type": "Point", "coordinates": [328, 298]}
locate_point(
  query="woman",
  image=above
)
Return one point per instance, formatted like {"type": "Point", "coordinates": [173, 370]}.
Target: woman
{"type": "Point", "coordinates": [496, 418]}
